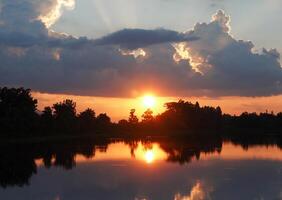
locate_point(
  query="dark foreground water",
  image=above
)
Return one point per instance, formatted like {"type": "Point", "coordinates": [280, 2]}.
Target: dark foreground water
{"type": "Point", "coordinates": [141, 170]}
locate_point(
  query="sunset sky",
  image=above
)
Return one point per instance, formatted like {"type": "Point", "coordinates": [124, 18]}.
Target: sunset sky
{"type": "Point", "coordinates": [109, 54]}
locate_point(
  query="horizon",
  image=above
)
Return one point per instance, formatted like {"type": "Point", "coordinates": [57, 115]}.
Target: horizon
{"type": "Point", "coordinates": [116, 59]}
{"type": "Point", "coordinates": [121, 111]}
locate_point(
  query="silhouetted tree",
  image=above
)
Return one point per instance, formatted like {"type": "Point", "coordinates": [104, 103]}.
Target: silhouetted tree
{"type": "Point", "coordinates": [147, 116]}
{"type": "Point", "coordinates": [103, 121]}
{"type": "Point", "coordinates": [47, 113]}
{"type": "Point", "coordinates": [188, 116]}
{"type": "Point", "coordinates": [65, 115]}
{"type": "Point", "coordinates": [87, 120]}
{"type": "Point", "coordinates": [47, 120]}
{"type": "Point", "coordinates": [17, 110]}
{"type": "Point", "coordinates": [123, 124]}
{"type": "Point", "coordinates": [132, 117]}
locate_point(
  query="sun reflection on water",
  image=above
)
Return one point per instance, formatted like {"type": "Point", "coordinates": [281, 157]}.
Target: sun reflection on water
{"type": "Point", "coordinates": [149, 156]}
{"type": "Point", "coordinates": [198, 192]}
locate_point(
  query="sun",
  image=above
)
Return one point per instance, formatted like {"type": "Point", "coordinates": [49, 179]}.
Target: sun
{"type": "Point", "coordinates": [149, 156]}
{"type": "Point", "coordinates": [149, 101]}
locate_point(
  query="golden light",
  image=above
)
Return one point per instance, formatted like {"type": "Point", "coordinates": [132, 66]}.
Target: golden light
{"type": "Point", "coordinates": [149, 101]}
{"type": "Point", "coordinates": [149, 156]}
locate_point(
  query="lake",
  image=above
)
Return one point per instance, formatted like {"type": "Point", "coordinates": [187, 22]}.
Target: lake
{"type": "Point", "coordinates": [150, 169]}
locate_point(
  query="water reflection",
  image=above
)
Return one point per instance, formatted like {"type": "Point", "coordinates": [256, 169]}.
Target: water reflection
{"type": "Point", "coordinates": [149, 156]}
{"type": "Point", "coordinates": [161, 168]}
{"type": "Point", "coordinates": [198, 192]}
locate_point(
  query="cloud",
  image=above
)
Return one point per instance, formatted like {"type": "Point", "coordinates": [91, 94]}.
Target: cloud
{"type": "Point", "coordinates": [136, 38]}
{"type": "Point", "coordinates": [230, 66]}
{"type": "Point", "coordinates": [18, 19]}
{"type": "Point", "coordinates": [223, 20]}
{"type": "Point", "coordinates": [51, 10]}
{"type": "Point", "coordinates": [204, 61]}
{"type": "Point", "coordinates": [25, 23]}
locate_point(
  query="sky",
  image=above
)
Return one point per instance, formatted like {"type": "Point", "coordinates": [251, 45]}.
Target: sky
{"type": "Point", "coordinates": [108, 54]}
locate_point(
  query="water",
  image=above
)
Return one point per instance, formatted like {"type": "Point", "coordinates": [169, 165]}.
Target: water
{"type": "Point", "coordinates": [147, 170]}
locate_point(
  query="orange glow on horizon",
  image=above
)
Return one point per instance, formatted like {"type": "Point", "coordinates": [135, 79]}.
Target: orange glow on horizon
{"type": "Point", "coordinates": [118, 108]}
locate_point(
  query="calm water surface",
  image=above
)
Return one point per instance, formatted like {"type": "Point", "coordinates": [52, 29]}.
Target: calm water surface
{"type": "Point", "coordinates": [136, 170]}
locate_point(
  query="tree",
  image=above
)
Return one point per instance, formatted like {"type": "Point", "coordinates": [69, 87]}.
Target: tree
{"type": "Point", "coordinates": [47, 112]}
{"type": "Point", "coordinates": [17, 110]}
{"type": "Point", "coordinates": [47, 119]}
{"type": "Point", "coordinates": [186, 115]}
{"type": "Point", "coordinates": [87, 120]}
{"type": "Point", "coordinates": [123, 122]}
{"type": "Point", "coordinates": [65, 109]}
{"type": "Point", "coordinates": [65, 115]}
{"type": "Point", "coordinates": [148, 116]}
{"type": "Point", "coordinates": [87, 115]}
{"type": "Point", "coordinates": [132, 117]}
{"type": "Point", "coordinates": [103, 121]}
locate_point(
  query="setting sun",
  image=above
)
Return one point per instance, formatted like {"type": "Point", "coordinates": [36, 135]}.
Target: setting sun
{"type": "Point", "coordinates": [149, 101]}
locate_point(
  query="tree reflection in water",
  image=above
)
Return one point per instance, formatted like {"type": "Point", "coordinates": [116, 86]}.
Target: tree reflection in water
{"type": "Point", "coordinates": [18, 160]}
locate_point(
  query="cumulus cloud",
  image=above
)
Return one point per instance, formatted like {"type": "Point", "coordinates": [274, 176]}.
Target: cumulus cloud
{"type": "Point", "coordinates": [51, 10]}
{"type": "Point", "coordinates": [230, 66]}
{"type": "Point", "coordinates": [204, 61]}
{"type": "Point", "coordinates": [222, 19]}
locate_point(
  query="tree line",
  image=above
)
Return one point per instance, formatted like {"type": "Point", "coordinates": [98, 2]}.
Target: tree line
{"type": "Point", "coordinates": [19, 116]}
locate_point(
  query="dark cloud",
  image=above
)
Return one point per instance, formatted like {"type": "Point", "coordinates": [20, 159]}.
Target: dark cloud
{"type": "Point", "coordinates": [136, 38]}
{"type": "Point", "coordinates": [204, 61]}
{"type": "Point", "coordinates": [18, 24]}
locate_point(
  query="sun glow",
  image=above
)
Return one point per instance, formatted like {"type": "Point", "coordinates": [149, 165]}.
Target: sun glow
{"type": "Point", "coordinates": [149, 101]}
{"type": "Point", "coordinates": [149, 156]}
